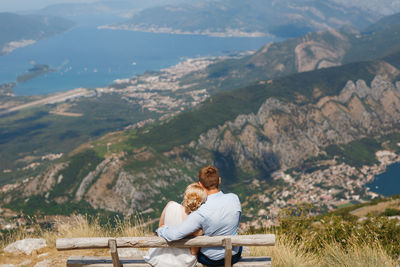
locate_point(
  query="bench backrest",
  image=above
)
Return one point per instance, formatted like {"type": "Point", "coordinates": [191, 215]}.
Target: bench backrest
{"type": "Point", "coordinates": [158, 242]}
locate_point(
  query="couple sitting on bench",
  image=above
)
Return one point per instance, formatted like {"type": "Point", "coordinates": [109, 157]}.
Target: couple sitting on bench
{"type": "Point", "coordinates": [205, 211]}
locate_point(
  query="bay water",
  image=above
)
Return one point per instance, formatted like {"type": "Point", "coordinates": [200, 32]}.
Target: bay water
{"type": "Point", "coordinates": [387, 183]}
{"type": "Point", "coordinates": [90, 57]}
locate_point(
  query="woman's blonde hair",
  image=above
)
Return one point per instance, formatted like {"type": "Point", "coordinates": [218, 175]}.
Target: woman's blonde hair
{"type": "Point", "coordinates": [194, 196]}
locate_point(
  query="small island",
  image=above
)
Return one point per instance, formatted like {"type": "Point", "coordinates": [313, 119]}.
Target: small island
{"type": "Point", "coordinates": [34, 72]}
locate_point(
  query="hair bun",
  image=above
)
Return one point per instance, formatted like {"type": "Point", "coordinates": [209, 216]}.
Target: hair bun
{"type": "Point", "coordinates": [194, 196]}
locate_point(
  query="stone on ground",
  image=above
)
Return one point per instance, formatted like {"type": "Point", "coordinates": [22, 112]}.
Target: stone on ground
{"type": "Point", "coordinates": [26, 246]}
{"type": "Point", "coordinates": [45, 263]}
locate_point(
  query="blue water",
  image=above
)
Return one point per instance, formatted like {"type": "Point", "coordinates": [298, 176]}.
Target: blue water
{"type": "Point", "coordinates": [88, 57]}
{"type": "Point", "coordinates": [388, 183]}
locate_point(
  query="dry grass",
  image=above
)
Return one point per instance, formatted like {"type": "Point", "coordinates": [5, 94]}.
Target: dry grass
{"type": "Point", "coordinates": [286, 252]}
{"type": "Point", "coordinates": [376, 209]}
{"type": "Point", "coordinates": [75, 226]}
{"type": "Point", "coordinates": [357, 256]}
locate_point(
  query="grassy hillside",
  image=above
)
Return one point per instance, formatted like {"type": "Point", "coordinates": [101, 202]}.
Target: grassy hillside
{"type": "Point", "coordinates": [376, 44]}
{"type": "Point", "coordinates": [282, 58]}
{"type": "Point", "coordinates": [36, 132]}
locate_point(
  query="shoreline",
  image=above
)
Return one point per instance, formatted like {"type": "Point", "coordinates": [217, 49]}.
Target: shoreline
{"type": "Point", "coordinates": [230, 33]}
{"type": "Point", "coordinates": [164, 79]}
{"type": "Point", "coordinates": [369, 184]}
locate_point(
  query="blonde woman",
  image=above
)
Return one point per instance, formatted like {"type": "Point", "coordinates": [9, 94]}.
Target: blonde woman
{"type": "Point", "coordinates": [173, 215]}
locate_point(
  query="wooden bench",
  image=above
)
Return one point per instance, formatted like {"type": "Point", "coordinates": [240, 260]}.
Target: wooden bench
{"type": "Point", "coordinates": [156, 242]}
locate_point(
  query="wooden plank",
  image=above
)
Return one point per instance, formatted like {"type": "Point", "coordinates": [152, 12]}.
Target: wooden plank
{"type": "Point", "coordinates": [158, 242]}
{"type": "Point", "coordinates": [88, 261]}
{"type": "Point", "coordinates": [112, 243]}
{"type": "Point", "coordinates": [227, 242]}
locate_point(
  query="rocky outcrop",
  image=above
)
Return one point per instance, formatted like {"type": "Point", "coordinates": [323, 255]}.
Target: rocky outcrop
{"type": "Point", "coordinates": [46, 181]}
{"type": "Point", "coordinates": [282, 134]}
{"type": "Point", "coordinates": [89, 179]}
{"type": "Point", "coordinates": [279, 136]}
{"type": "Point", "coordinates": [319, 53]}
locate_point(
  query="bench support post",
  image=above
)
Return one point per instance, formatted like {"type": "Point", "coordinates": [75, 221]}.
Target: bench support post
{"type": "Point", "coordinates": [112, 243]}
{"type": "Point", "coordinates": [227, 242]}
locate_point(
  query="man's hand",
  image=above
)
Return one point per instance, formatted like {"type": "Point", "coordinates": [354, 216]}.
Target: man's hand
{"type": "Point", "coordinates": [195, 250]}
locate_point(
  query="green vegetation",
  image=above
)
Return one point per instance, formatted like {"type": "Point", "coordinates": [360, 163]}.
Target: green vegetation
{"type": "Point", "coordinates": [379, 41]}
{"type": "Point", "coordinates": [390, 141]}
{"type": "Point", "coordinates": [36, 132]}
{"type": "Point", "coordinates": [315, 232]}
{"type": "Point", "coordinates": [79, 166]}
{"type": "Point", "coordinates": [357, 153]}
{"type": "Point", "coordinates": [252, 16]}
{"type": "Point", "coordinates": [40, 206]}
{"type": "Point", "coordinates": [226, 106]}
{"type": "Point", "coordinates": [362, 152]}
{"type": "Point", "coordinates": [379, 44]}
{"type": "Point", "coordinates": [13, 27]}
{"type": "Point", "coordinates": [35, 71]}
{"type": "Point", "coordinates": [392, 212]}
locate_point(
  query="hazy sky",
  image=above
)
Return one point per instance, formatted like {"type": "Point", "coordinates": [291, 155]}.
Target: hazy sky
{"type": "Point", "coordinates": [21, 5]}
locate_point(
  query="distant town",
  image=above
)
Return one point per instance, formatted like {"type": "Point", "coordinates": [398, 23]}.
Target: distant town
{"type": "Point", "coordinates": [325, 189]}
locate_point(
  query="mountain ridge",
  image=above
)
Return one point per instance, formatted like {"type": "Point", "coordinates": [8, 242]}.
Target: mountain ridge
{"type": "Point", "coordinates": [250, 18]}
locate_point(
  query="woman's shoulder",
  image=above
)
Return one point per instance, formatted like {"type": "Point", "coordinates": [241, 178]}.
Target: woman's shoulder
{"type": "Point", "coordinates": [173, 204]}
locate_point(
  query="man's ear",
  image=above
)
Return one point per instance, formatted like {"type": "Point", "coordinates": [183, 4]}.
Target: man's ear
{"type": "Point", "coordinates": [219, 181]}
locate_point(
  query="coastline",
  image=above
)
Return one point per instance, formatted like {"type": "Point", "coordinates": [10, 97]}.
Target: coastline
{"type": "Point", "coordinates": [11, 46]}
{"type": "Point", "coordinates": [382, 179]}
{"type": "Point", "coordinates": [147, 89]}
{"type": "Point", "coordinates": [226, 34]}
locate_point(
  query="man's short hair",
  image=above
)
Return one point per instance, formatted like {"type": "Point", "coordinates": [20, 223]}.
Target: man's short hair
{"type": "Point", "coordinates": [209, 177]}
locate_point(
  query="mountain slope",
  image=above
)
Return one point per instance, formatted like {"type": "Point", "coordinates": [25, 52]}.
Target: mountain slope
{"type": "Point", "coordinates": [384, 7]}
{"type": "Point", "coordinates": [252, 18]}
{"type": "Point", "coordinates": [120, 8]}
{"type": "Point", "coordinates": [249, 134]}
{"type": "Point", "coordinates": [310, 52]}
{"type": "Point", "coordinates": [20, 30]}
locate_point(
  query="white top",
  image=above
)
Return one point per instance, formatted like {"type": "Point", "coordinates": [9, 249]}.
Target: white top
{"type": "Point", "coordinates": [171, 257]}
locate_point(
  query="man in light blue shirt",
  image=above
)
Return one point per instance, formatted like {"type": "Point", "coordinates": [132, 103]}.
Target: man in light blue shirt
{"type": "Point", "coordinates": [220, 215]}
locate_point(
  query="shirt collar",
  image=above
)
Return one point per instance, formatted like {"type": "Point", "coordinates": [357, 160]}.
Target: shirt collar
{"type": "Point", "coordinates": [215, 195]}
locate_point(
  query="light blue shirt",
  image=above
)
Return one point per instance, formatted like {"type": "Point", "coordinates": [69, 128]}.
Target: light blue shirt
{"type": "Point", "coordinates": [220, 215]}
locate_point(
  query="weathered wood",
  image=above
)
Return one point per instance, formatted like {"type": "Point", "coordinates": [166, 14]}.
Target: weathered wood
{"type": "Point", "coordinates": [89, 261]}
{"type": "Point", "coordinates": [112, 243]}
{"type": "Point", "coordinates": [227, 242]}
{"type": "Point", "coordinates": [158, 242]}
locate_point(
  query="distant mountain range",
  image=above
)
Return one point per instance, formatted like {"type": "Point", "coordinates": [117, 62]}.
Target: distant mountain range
{"type": "Point", "coordinates": [119, 8]}
{"type": "Point", "coordinates": [384, 7]}
{"type": "Point", "coordinates": [311, 52]}
{"type": "Point", "coordinates": [285, 18]}
{"type": "Point", "coordinates": [21, 30]}
{"type": "Point", "coordinates": [332, 102]}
